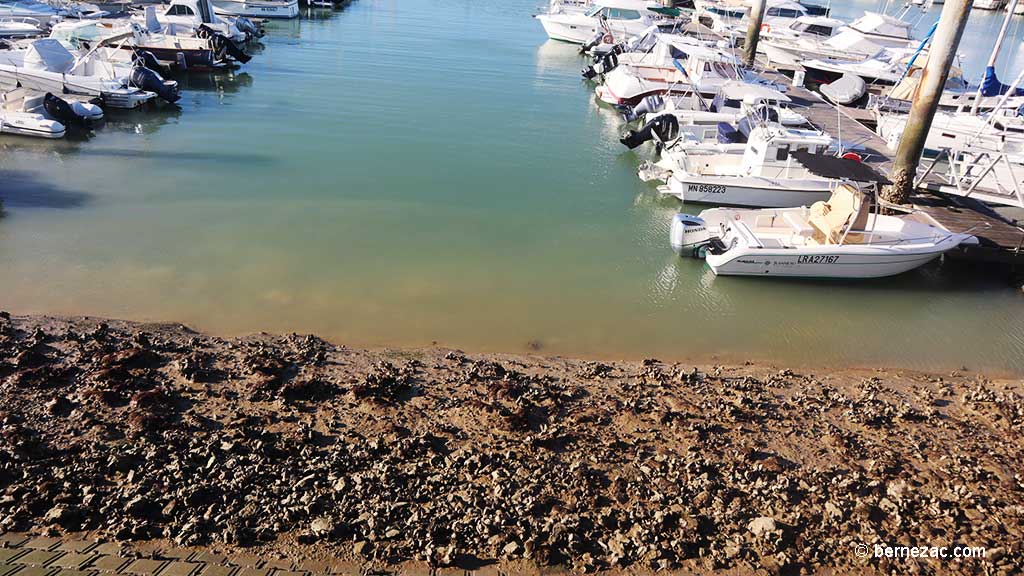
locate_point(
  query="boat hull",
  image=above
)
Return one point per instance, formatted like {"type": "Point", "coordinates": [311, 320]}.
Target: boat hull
{"type": "Point", "coordinates": [745, 192]}
{"type": "Point", "coordinates": [257, 9]}
{"type": "Point", "coordinates": [828, 262]}
{"type": "Point", "coordinates": [564, 31]}
{"type": "Point", "coordinates": [33, 125]}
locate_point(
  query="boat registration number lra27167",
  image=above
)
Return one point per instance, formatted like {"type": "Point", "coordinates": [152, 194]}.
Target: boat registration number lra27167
{"type": "Point", "coordinates": [706, 188]}
{"type": "Point", "coordinates": [819, 259]}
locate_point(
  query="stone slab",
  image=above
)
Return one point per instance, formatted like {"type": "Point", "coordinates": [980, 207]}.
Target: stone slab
{"type": "Point", "coordinates": [7, 555]}
{"type": "Point", "coordinates": [13, 539]}
{"type": "Point", "coordinates": [143, 567]}
{"type": "Point", "coordinates": [217, 570]}
{"type": "Point", "coordinates": [38, 558]}
{"type": "Point", "coordinates": [75, 545]}
{"type": "Point", "coordinates": [109, 563]}
{"type": "Point", "coordinates": [180, 569]}
{"type": "Point", "coordinates": [74, 561]}
{"type": "Point", "coordinates": [42, 543]}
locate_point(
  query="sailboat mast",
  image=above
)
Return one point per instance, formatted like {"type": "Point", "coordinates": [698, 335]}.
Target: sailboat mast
{"type": "Point", "coordinates": [995, 53]}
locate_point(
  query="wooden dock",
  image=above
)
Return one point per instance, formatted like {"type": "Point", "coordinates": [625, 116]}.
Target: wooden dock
{"type": "Point", "coordinates": [1001, 240]}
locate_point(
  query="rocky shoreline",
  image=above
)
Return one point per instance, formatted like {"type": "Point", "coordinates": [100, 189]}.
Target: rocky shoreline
{"type": "Point", "coordinates": [293, 445]}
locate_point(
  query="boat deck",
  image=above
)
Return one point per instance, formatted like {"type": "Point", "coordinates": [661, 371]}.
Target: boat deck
{"type": "Point", "coordinates": [1002, 240]}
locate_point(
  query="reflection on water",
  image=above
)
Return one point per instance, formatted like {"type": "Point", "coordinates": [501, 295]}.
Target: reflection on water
{"type": "Point", "coordinates": [399, 173]}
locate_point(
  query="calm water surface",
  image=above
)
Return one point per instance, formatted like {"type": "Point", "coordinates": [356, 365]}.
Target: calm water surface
{"type": "Point", "coordinates": [400, 173]}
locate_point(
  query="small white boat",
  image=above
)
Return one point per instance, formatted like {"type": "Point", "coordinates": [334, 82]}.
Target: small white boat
{"type": "Point", "coordinates": [757, 167]}
{"type": "Point", "coordinates": [20, 28]}
{"type": "Point", "coordinates": [47, 66]}
{"type": "Point", "coordinates": [863, 38]}
{"type": "Point", "coordinates": [734, 100]}
{"type": "Point", "coordinates": [837, 238]}
{"type": "Point", "coordinates": [618, 20]}
{"type": "Point", "coordinates": [989, 4]}
{"type": "Point", "coordinates": [187, 17]}
{"type": "Point", "coordinates": [257, 8]}
{"type": "Point", "coordinates": [704, 71]}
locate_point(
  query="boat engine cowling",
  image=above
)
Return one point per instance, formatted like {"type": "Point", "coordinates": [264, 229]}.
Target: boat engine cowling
{"type": "Point", "coordinates": [146, 79]}
{"type": "Point", "coordinates": [665, 128]}
{"type": "Point", "coordinates": [649, 105]}
{"type": "Point", "coordinates": [604, 65]}
{"type": "Point", "coordinates": [81, 113]}
{"type": "Point", "coordinates": [593, 41]}
{"type": "Point", "coordinates": [689, 235]}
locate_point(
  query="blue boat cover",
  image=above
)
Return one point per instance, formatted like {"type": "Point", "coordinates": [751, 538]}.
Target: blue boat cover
{"type": "Point", "coordinates": [991, 86]}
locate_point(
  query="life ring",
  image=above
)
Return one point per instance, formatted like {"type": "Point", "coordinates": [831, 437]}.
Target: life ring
{"type": "Point", "coordinates": [608, 38]}
{"type": "Point", "coordinates": [766, 28]}
{"type": "Point", "coordinates": [853, 156]}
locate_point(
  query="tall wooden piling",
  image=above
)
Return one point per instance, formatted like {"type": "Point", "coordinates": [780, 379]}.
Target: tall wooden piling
{"type": "Point", "coordinates": [922, 111]}
{"type": "Point", "coordinates": [753, 32]}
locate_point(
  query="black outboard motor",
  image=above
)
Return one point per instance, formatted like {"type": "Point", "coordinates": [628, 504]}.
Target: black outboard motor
{"type": "Point", "coordinates": [593, 41]}
{"type": "Point", "coordinates": [146, 79]}
{"type": "Point", "coordinates": [604, 65]}
{"type": "Point", "coordinates": [249, 27]}
{"type": "Point", "coordinates": [649, 105]}
{"type": "Point", "coordinates": [222, 45]}
{"type": "Point", "coordinates": [61, 111]}
{"type": "Point", "coordinates": [148, 59]}
{"type": "Point", "coordinates": [665, 128]}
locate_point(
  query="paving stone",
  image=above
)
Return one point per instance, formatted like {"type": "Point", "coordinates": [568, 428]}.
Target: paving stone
{"type": "Point", "coordinates": [66, 572]}
{"type": "Point", "coordinates": [73, 561]}
{"type": "Point", "coordinates": [345, 568]}
{"type": "Point", "coordinates": [13, 539]}
{"type": "Point", "coordinates": [247, 560]}
{"type": "Point", "coordinates": [253, 572]}
{"type": "Point", "coordinates": [6, 569]}
{"type": "Point", "coordinates": [175, 554]}
{"type": "Point", "coordinates": [209, 558]}
{"type": "Point", "coordinates": [109, 548]}
{"type": "Point", "coordinates": [144, 567]}
{"type": "Point", "coordinates": [7, 555]}
{"type": "Point", "coordinates": [33, 571]}
{"type": "Point", "coordinates": [217, 570]}
{"type": "Point", "coordinates": [414, 569]}
{"type": "Point", "coordinates": [450, 572]}
{"type": "Point", "coordinates": [289, 573]}
{"type": "Point", "coordinates": [76, 546]}
{"type": "Point", "coordinates": [179, 569]}
{"type": "Point", "coordinates": [42, 543]}
{"type": "Point", "coordinates": [314, 566]}
{"type": "Point", "coordinates": [109, 563]}
{"type": "Point", "coordinates": [489, 570]}
{"type": "Point", "coordinates": [279, 564]}
{"type": "Point", "coordinates": [38, 558]}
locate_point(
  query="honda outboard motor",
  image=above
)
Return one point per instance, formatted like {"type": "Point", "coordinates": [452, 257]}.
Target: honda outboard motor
{"type": "Point", "coordinates": [689, 236]}
{"type": "Point", "coordinates": [665, 128]}
{"type": "Point", "coordinates": [146, 79]}
{"type": "Point", "coordinates": [604, 65]}
{"type": "Point", "coordinates": [649, 105]}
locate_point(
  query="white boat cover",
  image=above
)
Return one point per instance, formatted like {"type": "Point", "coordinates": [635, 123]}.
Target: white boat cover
{"type": "Point", "coordinates": [50, 56]}
{"type": "Point", "coordinates": [845, 90]}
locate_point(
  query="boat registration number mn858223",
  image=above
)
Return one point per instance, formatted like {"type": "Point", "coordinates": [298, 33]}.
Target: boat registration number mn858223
{"type": "Point", "coordinates": [706, 188]}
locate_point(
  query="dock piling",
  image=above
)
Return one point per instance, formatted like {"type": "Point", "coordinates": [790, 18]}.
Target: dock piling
{"type": "Point", "coordinates": [933, 79]}
{"type": "Point", "coordinates": [753, 32]}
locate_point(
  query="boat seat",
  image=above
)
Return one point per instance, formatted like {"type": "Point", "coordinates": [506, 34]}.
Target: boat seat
{"type": "Point", "coordinates": [845, 210]}
{"type": "Point", "coordinates": [799, 225]}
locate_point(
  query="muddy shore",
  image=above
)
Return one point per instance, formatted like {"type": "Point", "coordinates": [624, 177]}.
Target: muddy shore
{"type": "Point", "coordinates": [293, 445]}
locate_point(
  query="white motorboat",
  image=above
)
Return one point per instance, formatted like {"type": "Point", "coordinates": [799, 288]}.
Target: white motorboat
{"type": "Point", "coordinates": [257, 8]}
{"type": "Point", "coordinates": [989, 4]}
{"type": "Point", "coordinates": [727, 18]}
{"type": "Point", "coordinates": [884, 69]}
{"type": "Point", "coordinates": [20, 28]}
{"type": "Point", "coordinates": [734, 101]}
{"type": "Point", "coordinates": [188, 17]}
{"type": "Point", "coordinates": [617, 19]}
{"type": "Point", "coordinates": [22, 9]}
{"type": "Point", "coordinates": [837, 238]}
{"type": "Point", "coordinates": [1002, 133]}
{"type": "Point", "coordinates": [863, 38]}
{"type": "Point", "coordinates": [755, 164]}
{"type": "Point", "coordinates": [25, 113]}
{"type": "Point", "coordinates": [704, 71]}
{"type": "Point", "coordinates": [47, 66]}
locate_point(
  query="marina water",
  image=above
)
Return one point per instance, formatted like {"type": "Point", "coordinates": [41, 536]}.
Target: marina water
{"type": "Point", "coordinates": [407, 172]}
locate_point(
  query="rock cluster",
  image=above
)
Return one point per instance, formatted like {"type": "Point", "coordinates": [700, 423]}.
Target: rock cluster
{"type": "Point", "coordinates": [144, 432]}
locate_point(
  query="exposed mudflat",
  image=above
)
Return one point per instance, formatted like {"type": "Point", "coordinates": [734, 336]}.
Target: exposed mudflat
{"type": "Point", "coordinates": [293, 445]}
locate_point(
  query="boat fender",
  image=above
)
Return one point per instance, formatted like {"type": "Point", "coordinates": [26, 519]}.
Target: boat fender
{"type": "Point", "coordinates": [665, 128]}
{"type": "Point", "coordinates": [852, 156]}
{"type": "Point", "coordinates": [146, 79]}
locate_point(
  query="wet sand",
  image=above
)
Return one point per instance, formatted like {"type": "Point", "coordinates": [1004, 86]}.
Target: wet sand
{"type": "Point", "coordinates": [291, 445]}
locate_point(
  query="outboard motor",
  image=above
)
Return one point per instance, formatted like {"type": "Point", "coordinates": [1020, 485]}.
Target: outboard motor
{"type": "Point", "coordinates": [146, 79]}
{"type": "Point", "coordinates": [593, 41]}
{"type": "Point", "coordinates": [249, 27]}
{"type": "Point", "coordinates": [69, 114]}
{"type": "Point", "coordinates": [148, 59]}
{"type": "Point", "coordinates": [665, 128]}
{"type": "Point", "coordinates": [690, 236]}
{"type": "Point", "coordinates": [222, 45]}
{"type": "Point", "coordinates": [649, 105]}
{"type": "Point", "coordinates": [604, 65]}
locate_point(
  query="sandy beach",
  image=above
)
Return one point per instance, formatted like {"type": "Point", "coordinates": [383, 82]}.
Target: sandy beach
{"type": "Point", "coordinates": [294, 446]}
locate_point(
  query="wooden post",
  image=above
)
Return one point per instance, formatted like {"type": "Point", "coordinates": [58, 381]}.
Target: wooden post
{"type": "Point", "coordinates": [922, 111]}
{"type": "Point", "coordinates": [753, 32]}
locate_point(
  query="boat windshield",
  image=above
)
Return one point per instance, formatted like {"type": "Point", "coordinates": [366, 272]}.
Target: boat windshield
{"type": "Point", "coordinates": [594, 11]}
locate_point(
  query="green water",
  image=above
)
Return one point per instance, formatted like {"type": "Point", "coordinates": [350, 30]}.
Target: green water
{"type": "Point", "coordinates": [402, 173]}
